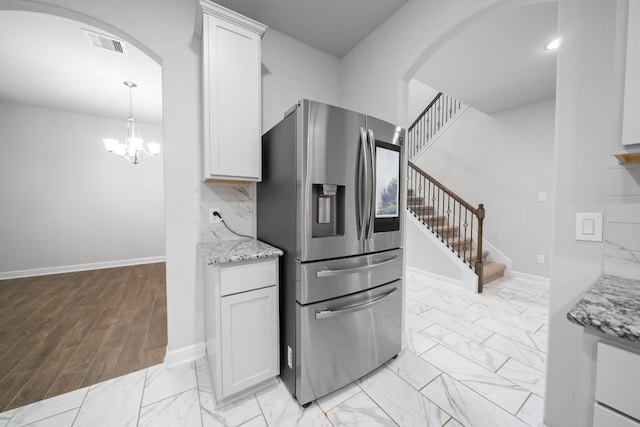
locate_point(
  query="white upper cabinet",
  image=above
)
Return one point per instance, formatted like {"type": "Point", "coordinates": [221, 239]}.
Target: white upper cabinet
{"type": "Point", "coordinates": [630, 122]}
{"type": "Point", "coordinates": [231, 95]}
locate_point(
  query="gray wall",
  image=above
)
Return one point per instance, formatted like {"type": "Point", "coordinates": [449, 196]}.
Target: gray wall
{"type": "Point", "coordinates": [68, 202]}
{"type": "Point", "coordinates": [504, 161]}
{"type": "Point", "coordinates": [293, 70]}
{"type": "Point", "coordinates": [423, 254]}
{"type": "Point", "coordinates": [420, 95]}
{"type": "Point", "coordinates": [584, 137]}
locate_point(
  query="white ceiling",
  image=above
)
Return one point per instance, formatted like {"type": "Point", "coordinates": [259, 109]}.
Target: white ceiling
{"type": "Point", "coordinates": [500, 61]}
{"type": "Point", "coordinates": [495, 63]}
{"type": "Point", "coordinates": [47, 61]}
{"type": "Point", "coordinates": [334, 26]}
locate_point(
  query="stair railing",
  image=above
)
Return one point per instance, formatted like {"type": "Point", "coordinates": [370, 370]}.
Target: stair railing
{"type": "Point", "coordinates": [435, 117]}
{"type": "Point", "coordinates": [456, 222]}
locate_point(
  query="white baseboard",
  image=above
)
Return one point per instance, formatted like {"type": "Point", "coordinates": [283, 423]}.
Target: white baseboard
{"type": "Point", "coordinates": [79, 267]}
{"type": "Point", "coordinates": [439, 278]}
{"type": "Point", "coordinates": [185, 354]}
{"type": "Point", "coordinates": [530, 277]}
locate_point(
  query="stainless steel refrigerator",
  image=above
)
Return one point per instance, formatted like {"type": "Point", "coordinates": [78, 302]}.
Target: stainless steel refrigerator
{"type": "Point", "coordinates": [330, 198]}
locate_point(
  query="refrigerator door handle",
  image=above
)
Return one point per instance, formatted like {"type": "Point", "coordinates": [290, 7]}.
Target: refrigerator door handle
{"type": "Point", "coordinates": [323, 314]}
{"type": "Point", "coordinates": [358, 269]}
{"type": "Point", "coordinates": [361, 185]}
{"type": "Point", "coordinates": [372, 184]}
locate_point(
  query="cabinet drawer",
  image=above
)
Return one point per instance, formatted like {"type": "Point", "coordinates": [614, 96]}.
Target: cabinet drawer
{"type": "Point", "coordinates": [254, 275]}
{"type": "Point", "coordinates": [618, 379]}
{"type": "Point", "coordinates": [605, 417]}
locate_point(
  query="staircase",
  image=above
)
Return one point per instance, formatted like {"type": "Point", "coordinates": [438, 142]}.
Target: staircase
{"type": "Point", "coordinates": [456, 223]}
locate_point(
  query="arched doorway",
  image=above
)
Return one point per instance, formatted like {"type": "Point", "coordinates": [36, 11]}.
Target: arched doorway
{"type": "Point", "coordinates": [102, 211]}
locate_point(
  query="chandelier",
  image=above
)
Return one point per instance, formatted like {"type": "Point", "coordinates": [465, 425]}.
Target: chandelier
{"type": "Point", "coordinates": [133, 148]}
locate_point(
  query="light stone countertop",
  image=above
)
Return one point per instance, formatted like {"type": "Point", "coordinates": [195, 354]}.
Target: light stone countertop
{"type": "Point", "coordinates": [611, 306]}
{"type": "Point", "coordinates": [227, 251]}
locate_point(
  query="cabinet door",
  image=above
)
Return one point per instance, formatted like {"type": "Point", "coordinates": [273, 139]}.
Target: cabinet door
{"type": "Point", "coordinates": [232, 94]}
{"type": "Point", "coordinates": [249, 339]}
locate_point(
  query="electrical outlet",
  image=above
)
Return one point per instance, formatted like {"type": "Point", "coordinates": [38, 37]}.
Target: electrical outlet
{"type": "Point", "coordinates": [213, 219]}
{"type": "Point", "coordinates": [542, 197]}
{"type": "Point", "coordinates": [540, 259]}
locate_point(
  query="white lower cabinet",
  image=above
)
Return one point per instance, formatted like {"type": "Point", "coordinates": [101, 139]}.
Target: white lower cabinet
{"type": "Point", "coordinates": [241, 324]}
{"type": "Point", "coordinates": [605, 417]}
{"type": "Point", "coordinates": [617, 388]}
{"type": "Point", "coordinates": [249, 339]}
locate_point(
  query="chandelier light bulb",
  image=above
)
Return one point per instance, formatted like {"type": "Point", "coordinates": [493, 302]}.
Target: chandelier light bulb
{"type": "Point", "coordinates": [110, 144]}
{"type": "Point", "coordinates": [120, 150]}
{"type": "Point", "coordinates": [135, 143]}
{"type": "Point", "coordinates": [154, 148]}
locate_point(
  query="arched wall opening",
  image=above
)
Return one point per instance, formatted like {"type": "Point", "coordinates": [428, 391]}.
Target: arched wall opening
{"type": "Point", "coordinates": [177, 49]}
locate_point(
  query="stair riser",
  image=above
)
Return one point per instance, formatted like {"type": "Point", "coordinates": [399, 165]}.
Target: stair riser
{"type": "Point", "coordinates": [447, 233]}
{"type": "Point", "coordinates": [433, 221]}
{"type": "Point", "coordinates": [422, 210]}
{"type": "Point", "coordinates": [472, 255]}
{"type": "Point", "coordinates": [459, 246]}
{"type": "Point", "coordinates": [415, 201]}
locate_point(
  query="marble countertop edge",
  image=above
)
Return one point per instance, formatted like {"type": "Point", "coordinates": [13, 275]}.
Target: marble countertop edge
{"type": "Point", "coordinates": [238, 250]}
{"type": "Point", "coordinates": [611, 306]}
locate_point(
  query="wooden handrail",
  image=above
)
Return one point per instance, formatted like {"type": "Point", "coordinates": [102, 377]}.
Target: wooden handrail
{"type": "Point", "coordinates": [445, 189]}
{"type": "Point", "coordinates": [448, 217]}
{"type": "Point", "coordinates": [424, 112]}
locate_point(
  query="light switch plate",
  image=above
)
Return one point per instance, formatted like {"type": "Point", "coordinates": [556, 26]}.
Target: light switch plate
{"type": "Point", "coordinates": [589, 226]}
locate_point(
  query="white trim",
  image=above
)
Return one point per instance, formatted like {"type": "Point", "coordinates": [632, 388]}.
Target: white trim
{"type": "Point", "coordinates": [469, 279]}
{"type": "Point", "coordinates": [436, 277]}
{"type": "Point", "coordinates": [185, 354]}
{"type": "Point", "coordinates": [530, 277]}
{"type": "Point", "coordinates": [233, 17]}
{"type": "Point", "coordinates": [79, 267]}
{"type": "Point", "coordinates": [496, 255]}
{"type": "Point", "coordinates": [438, 134]}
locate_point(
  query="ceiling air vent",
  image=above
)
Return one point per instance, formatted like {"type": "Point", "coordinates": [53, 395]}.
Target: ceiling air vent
{"type": "Point", "coordinates": [105, 42]}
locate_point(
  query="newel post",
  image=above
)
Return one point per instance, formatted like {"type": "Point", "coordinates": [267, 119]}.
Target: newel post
{"type": "Point", "coordinates": [479, 265]}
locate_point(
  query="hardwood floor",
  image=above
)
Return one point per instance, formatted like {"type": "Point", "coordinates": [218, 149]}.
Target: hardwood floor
{"type": "Point", "coordinates": [67, 331]}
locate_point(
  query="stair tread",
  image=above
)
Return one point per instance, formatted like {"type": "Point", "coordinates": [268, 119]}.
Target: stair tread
{"type": "Point", "coordinates": [472, 255]}
{"type": "Point", "coordinates": [456, 241]}
{"type": "Point", "coordinates": [492, 271]}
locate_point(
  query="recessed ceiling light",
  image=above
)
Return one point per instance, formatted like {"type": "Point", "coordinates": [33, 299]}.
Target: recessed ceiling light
{"type": "Point", "coordinates": [553, 44]}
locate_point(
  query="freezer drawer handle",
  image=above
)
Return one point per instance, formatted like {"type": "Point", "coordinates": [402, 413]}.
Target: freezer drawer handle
{"type": "Point", "coordinates": [323, 314]}
{"type": "Point", "coordinates": [358, 269]}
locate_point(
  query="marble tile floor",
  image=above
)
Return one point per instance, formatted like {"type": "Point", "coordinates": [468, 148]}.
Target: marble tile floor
{"type": "Point", "coordinates": [470, 360]}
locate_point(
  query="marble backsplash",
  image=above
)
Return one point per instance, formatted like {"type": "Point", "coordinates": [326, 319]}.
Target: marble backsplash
{"type": "Point", "coordinates": [622, 223]}
{"type": "Point", "coordinates": [237, 205]}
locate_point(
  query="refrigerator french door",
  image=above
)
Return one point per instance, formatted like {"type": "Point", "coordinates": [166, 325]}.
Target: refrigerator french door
{"type": "Point", "coordinates": [330, 199]}
{"type": "Point", "coordinates": [345, 162]}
